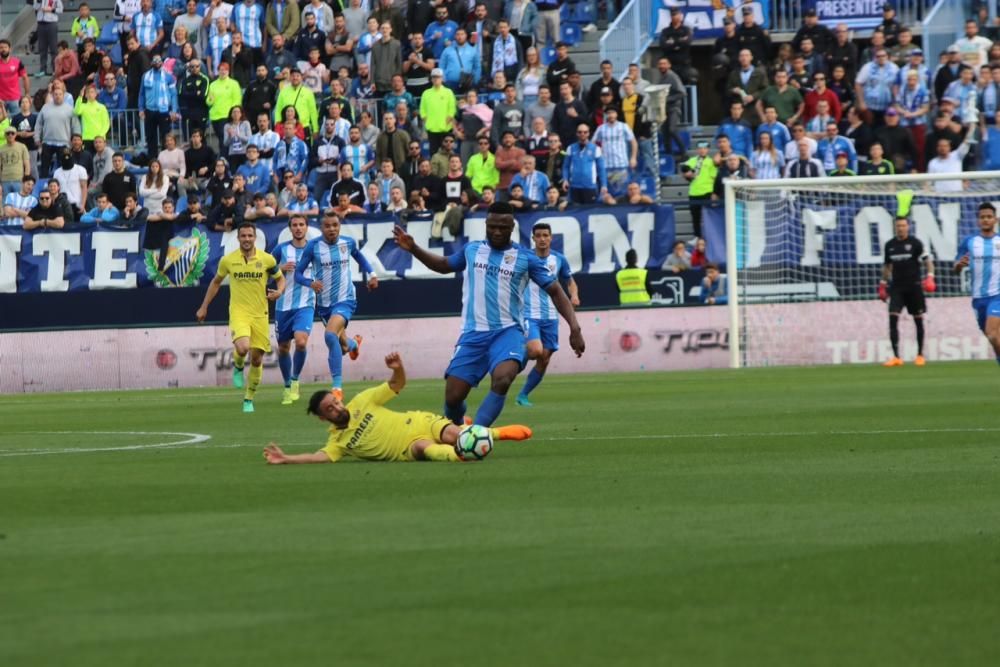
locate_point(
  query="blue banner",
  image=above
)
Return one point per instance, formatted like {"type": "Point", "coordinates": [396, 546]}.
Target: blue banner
{"type": "Point", "coordinates": [805, 237]}
{"type": "Point", "coordinates": [853, 13]}
{"type": "Point", "coordinates": [594, 240]}
{"type": "Point", "coordinates": [704, 17]}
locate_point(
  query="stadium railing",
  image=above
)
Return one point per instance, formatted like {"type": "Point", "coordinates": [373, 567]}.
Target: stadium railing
{"type": "Point", "coordinates": [941, 27]}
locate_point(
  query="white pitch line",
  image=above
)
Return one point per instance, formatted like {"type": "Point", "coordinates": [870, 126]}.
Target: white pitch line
{"type": "Point", "coordinates": [778, 434]}
{"type": "Point", "coordinates": [198, 440]}
{"type": "Point", "coordinates": [189, 439]}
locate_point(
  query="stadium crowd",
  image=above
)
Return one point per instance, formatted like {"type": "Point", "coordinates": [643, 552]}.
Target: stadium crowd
{"type": "Point", "coordinates": [829, 103]}
{"type": "Point", "coordinates": [221, 112]}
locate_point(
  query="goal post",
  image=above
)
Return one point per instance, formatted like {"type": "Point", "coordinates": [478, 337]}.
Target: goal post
{"type": "Point", "coordinates": [804, 256]}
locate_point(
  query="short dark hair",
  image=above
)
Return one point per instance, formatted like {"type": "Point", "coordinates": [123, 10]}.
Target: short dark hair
{"type": "Point", "coordinates": [27, 177]}
{"type": "Point", "coordinates": [987, 205]}
{"type": "Point", "coordinates": [606, 62]}
{"type": "Point", "coordinates": [246, 223]}
{"type": "Point", "coordinates": [542, 226]}
{"type": "Point", "coordinates": [315, 400]}
{"type": "Point", "coordinates": [294, 216]}
{"type": "Point", "coordinates": [711, 266]}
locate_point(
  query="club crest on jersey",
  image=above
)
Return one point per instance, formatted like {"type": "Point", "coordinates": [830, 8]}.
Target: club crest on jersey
{"type": "Point", "coordinates": [508, 259]}
{"type": "Point", "coordinates": [186, 261]}
{"type": "Point", "coordinates": [258, 265]}
{"type": "Point", "coordinates": [343, 250]}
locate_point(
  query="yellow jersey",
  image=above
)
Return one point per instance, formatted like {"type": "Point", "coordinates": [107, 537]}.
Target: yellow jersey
{"type": "Point", "coordinates": [376, 433]}
{"type": "Point", "coordinates": [248, 282]}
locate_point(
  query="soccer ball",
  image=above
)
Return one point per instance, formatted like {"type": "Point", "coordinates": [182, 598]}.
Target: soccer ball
{"type": "Point", "coordinates": [474, 443]}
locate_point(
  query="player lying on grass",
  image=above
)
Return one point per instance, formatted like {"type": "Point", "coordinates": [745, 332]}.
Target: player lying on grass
{"type": "Point", "coordinates": [981, 253]}
{"type": "Point", "coordinates": [366, 429]}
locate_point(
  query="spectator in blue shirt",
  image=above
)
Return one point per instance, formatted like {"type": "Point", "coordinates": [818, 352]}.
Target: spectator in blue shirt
{"type": "Point", "coordinates": [291, 154]}
{"type": "Point", "coordinates": [714, 286]}
{"type": "Point", "coordinates": [157, 104]}
{"type": "Point", "coordinates": [738, 130]}
{"type": "Point", "coordinates": [103, 212]}
{"type": "Point", "coordinates": [460, 58]}
{"type": "Point", "coordinates": [254, 172]}
{"type": "Point", "coordinates": [583, 169]}
{"type": "Point", "coordinates": [439, 34]}
{"type": "Point", "coordinates": [832, 144]}
{"type": "Point", "coordinates": [780, 136]}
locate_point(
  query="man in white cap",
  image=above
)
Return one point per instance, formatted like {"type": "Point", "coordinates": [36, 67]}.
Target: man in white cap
{"type": "Point", "coordinates": [438, 109]}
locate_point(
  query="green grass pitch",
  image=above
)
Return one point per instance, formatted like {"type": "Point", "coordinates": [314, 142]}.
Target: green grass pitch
{"type": "Point", "coordinates": [827, 516]}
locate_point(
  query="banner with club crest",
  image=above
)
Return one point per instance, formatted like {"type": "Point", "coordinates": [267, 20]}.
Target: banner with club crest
{"type": "Point", "coordinates": [91, 257]}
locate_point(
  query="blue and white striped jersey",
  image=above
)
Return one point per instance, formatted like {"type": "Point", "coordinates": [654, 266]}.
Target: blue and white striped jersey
{"type": "Point", "coordinates": [494, 284]}
{"type": "Point", "coordinates": [266, 141]}
{"type": "Point", "coordinates": [537, 302]}
{"type": "Point", "coordinates": [358, 156]}
{"type": "Point", "coordinates": [249, 19]}
{"type": "Point", "coordinates": [145, 26]}
{"type": "Point", "coordinates": [984, 264]}
{"type": "Point", "coordinates": [158, 92]}
{"type": "Point", "coordinates": [295, 296]}
{"type": "Point", "coordinates": [616, 144]}
{"type": "Point", "coordinates": [20, 202]}
{"type": "Point", "coordinates": [332, 267]}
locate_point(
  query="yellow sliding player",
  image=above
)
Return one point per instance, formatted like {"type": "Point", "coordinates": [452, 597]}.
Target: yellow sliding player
{"type": "Point", "coordinates": [366, 429]}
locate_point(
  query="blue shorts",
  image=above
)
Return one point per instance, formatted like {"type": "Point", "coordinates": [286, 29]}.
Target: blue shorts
{"type": "Point", "coordinates": [287, 322]}
{"type": "Point", "coordinates": [546, 331]}
{"type": "Point", "coordinates": [987, 306]}
{"type": "Point", "coordinates": [343, 308]}
{"type": "Point", "coordinates": [479, 352]}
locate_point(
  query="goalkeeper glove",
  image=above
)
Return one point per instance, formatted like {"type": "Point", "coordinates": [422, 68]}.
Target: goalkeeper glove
{"type": "Point", "coordinates": [883, 290]}
{"type": "Point", "coordinates": [929, 284]}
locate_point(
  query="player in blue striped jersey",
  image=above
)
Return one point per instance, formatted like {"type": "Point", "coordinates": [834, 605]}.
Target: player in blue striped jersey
{"type": "Point", "coordinates": [543, 320]}
{"type": "Point", "coordinates": [330, 256]}
{"type": "Point", "coordinates": [496, 273]}
{"type": "Point", "coordinates": [294, 311]}
{"type": "Point", "coordinates": [981, 253]}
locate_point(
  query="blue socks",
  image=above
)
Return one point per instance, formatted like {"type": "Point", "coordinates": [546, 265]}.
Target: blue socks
{"type": "Point", "coordinates": [534, 377]}
{"type": "Point", "coordinates": [298, 362]}
{"type": "Point", "coordinates": [335, 359]}
{"type": "Point", "coordinates": [490, 409]}
{"type": "Point", "coordinates": [285, 364]}
{"type": "Point", "coordinates": [351, 344]}
{"type": "Point", "coordinates": [455, 414]}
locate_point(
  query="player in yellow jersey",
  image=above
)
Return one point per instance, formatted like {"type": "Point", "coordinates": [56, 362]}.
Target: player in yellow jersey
{"type": "Point", "coordinates": [249, 270]}
{"type": "Point", "coordinates": [366, 429]}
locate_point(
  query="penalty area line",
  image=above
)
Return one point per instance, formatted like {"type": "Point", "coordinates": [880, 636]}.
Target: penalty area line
{"type": "Point", "coordinates": [774, 434]}
{"type": "Point", "coordinates": [188, 439]}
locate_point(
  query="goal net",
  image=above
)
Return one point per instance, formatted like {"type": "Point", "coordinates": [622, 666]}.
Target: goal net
{"type": "Point", "coordinates": [804, 257]}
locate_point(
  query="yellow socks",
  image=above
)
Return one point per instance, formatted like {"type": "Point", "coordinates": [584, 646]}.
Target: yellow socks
{"type": "Point", "coordinates": [441, 453]}
{"type": "Point", "coordinates": [254, 377]}
{"type": "Point", "coordinates": [239, 360]}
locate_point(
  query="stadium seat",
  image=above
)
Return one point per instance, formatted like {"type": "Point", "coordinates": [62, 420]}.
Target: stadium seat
{"type": "Point", "coordinates": [311, 179]}
{"type": "Point", "coordinates": [182, 204]}
{"type": "Point", "coordinates": [564, 13]}
{"type": "Point", "coordinates": [547, 55]}
{"type": "Point", "coordinates": [425, 148]}
{"type": "Point", "coordinates": [570, 33]}
{"type": "Point", "coordinates": [116, 54]}
{"type": "Point", "coordinates": [648, 186]}
{"type": "Point", "coordinates": [40, 185]}
{"type": "Point", "coordinates": [107, 36]}
{"type": "Point", "coordinates": [582, 12]}
{"type": "Point", "coordinates": [324, 202]}
{"type": "Point", "coordinates": [667, 166]}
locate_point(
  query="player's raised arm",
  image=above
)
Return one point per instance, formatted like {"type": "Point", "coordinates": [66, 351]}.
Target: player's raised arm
{"type": "Point", "coordinates": [436, 263]}
{"type": "Point", "coordinates": [279, 279]}
{"type": "Point", "coordinates": [963, 257]}
{"type": "Point", "coordinates": [394, 362]}
{"type": "Point", "coordinates": [365, 266]}
{"type": "Point", "coordinates": [210, 293]}
{"type": "Point", "coordinates": [565, 308]}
